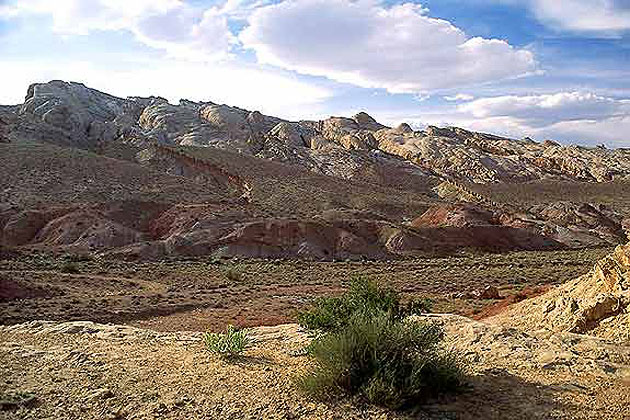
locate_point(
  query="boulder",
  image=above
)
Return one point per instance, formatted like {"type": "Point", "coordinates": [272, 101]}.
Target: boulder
{"type": "Point", "coordinates": [403, 128]}
{"type": "Point", "coordinates": [488, 292]}
{"type": "Point", "coordinates": [366, 122]}
{"type": "Point", "coordinates": [289, 134]}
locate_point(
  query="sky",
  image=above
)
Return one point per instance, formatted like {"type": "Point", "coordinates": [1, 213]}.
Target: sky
{"type": "Point", "coordinates": [538, 68]}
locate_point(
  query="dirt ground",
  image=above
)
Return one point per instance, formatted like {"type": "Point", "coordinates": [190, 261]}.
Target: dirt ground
{"type": "Point", "coordinates": [201, 294]}
{"type": "Point", "coordinates": [82, 370]}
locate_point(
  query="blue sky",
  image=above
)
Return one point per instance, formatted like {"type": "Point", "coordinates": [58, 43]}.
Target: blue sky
{"type": "Point", "coordinates": [545, 69]}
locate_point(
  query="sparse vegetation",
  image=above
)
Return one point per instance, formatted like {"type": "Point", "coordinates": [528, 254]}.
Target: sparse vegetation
{"type": "Point", "coordinates": [70, 267]}
{"type": "Point", "coordinates": [232, 272]}
{"type": "Point", "coordinates": [17, 400]}
{"type": "Point", "coordinates": [366, 297]}
{"type": "Point", "coordinates": [231, 343]}
{"type": "Point", "coordinates": [386, 361]}
{"type": "Point", "coordinates": [372, 350]}
{"type": "Point", "coordinates": [269, 291]}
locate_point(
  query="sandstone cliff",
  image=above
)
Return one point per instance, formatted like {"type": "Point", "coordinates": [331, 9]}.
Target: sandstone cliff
{"type": "Point", "coordinates": [597, 303]}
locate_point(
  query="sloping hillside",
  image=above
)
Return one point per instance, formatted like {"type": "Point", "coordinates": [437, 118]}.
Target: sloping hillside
{"type": "Point", "coordinates": [597, 303]}
{"type": "Point", "coordinates": [83, 171]}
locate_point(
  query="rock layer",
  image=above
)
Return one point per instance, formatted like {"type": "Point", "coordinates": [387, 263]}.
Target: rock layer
{"type": "Point", "coordinates": [597, 303]}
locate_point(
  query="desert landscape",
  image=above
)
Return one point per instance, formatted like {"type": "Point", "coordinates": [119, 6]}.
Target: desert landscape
{"type": "Point", "coordinates": [133, 229]}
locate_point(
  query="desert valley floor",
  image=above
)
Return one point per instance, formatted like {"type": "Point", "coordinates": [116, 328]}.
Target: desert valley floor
{"type": "Point", "coordinates": [207, 294]}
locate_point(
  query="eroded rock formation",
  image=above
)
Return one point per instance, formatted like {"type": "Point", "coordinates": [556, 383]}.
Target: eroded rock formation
{"type": "Point", "coordinates": [71, 113]}
{"type": "Point", "coordinates": [597, 303]}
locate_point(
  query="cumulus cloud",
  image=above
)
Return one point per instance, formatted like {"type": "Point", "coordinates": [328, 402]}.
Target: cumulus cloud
{"type": "Point", "coordinates": [612, 132]}
{"type": "Point", "coordinates": [584, 15]}
{"type": "Point", "coordinates": [368, 44]}
{"type": "Point", "coordinates": [543, 110]}
{"type": "Point", "coordinates": [569, 117]}
{"type": "Point", "coordinates": [460, 97]}
{"type": "Point", "coordinates": [172, 25]}
{"type": "Point", "coordinates": [247, 86]}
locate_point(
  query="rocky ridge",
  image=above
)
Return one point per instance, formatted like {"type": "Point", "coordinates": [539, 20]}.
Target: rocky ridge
{"type": "Point", "coordinates": [212, 179]}
{"type": "Point", "coordinates": [597, 303]}
{"type": "Point", "coordinates": [71, 113]}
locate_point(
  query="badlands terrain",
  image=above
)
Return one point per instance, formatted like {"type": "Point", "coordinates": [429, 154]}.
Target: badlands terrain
{"type": "Point", "coordinates": [128, 226]}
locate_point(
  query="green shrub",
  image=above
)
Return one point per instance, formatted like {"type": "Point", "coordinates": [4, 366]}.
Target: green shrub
{"type": "Point", "coordinates": [231, 343]}
{"type": "Point", "coordinates": [364, 296]}
{"type": "Point", "coordinates": [232, 272]}
{"type": "Point", "coordinates": [382, 359]}
{"type": "Point", "coordinates": [419, 306]}
{"type": "Point", "coordinates": [70, 268]}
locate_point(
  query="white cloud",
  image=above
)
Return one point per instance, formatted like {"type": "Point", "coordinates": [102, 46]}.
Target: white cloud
{"type": "Point", "coordinates": [422, 98]}
{"type": "Point", "coordinates": [370, 45]}
{"type": "Point", "coordinates": [8, 11]}
{"type": "Point", "coordinates": [242, 85]}
{"type": "Point", "coordinates": [171, 25]}
{"type": "Point", "coordinates": [613, 132]}
{"type": "Point", "coordinates": [460, 97]}
{"type": "Point", "coordinates": [584, 15]}
{"type": "Point", "coordinates": [586, 118]}
{"type": "Point", "coordinates": [187, 32]}
{"type": "Point", "coordinates": [543, 110]}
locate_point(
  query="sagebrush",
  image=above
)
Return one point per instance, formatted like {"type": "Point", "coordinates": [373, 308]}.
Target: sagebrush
{"type": "Point", "coordinates": [364, 296]}
{"type": "Point", "coordinates": [70, 267]}
{"type": "Point", "coordinates": [386, 361]}
{"type": "Point", "coordinates": [368, 347]}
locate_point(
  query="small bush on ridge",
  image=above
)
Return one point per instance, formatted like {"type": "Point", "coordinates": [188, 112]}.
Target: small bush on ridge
{"type": "Point", "coordinates": [231, 343]}
{"type": "Point", "coordinates": [385, 361]}
{"type": "Point", "coordinates": [363, 296]}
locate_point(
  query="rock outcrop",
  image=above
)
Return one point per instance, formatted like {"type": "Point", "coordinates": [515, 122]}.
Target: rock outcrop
{"type": "Point", "coordinates": [73, 114]}
{"type": "Point", "coordinates": [80, 114]}
{"type": "Point", "coordinates": [571, 225]}
{"type": "Point", "coordinates": [597, 303]}
{"type": "Point", "coordinates": [206, 153]}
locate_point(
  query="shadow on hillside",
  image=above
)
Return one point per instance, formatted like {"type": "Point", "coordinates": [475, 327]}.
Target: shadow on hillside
{"type": "Point", "coordinates": [497, 394]}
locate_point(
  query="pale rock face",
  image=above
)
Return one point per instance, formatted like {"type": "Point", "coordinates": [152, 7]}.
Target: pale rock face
{"type": "Point", "coordinates": [289, 133]}
{"type": "Point", "coordinates": [319, 142]}
{"type": "Point", "coordinates": [72, 114]}
{"type": "Point", "coordinates": [595, 304]}
{"type": "Point", "coordinates": [74, 108]}
{"type": "Point", "coordinates": [366, 122]}
{"type": "Point", "coordinates": [348, 133]}
{"type": "Point", "coordinates": [483, 158]}
{"type": "Point", "coordinates": [163, 121]}
{"type": "Point", "coordinates": [403, 128]}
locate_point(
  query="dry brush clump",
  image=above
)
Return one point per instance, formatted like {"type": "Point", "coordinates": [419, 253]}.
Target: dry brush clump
{"type": "Point", "coordinates": [370, 348]}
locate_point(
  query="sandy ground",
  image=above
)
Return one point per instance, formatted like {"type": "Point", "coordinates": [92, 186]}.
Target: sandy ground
{"type": "Point", "coordinates": [83, 370]}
